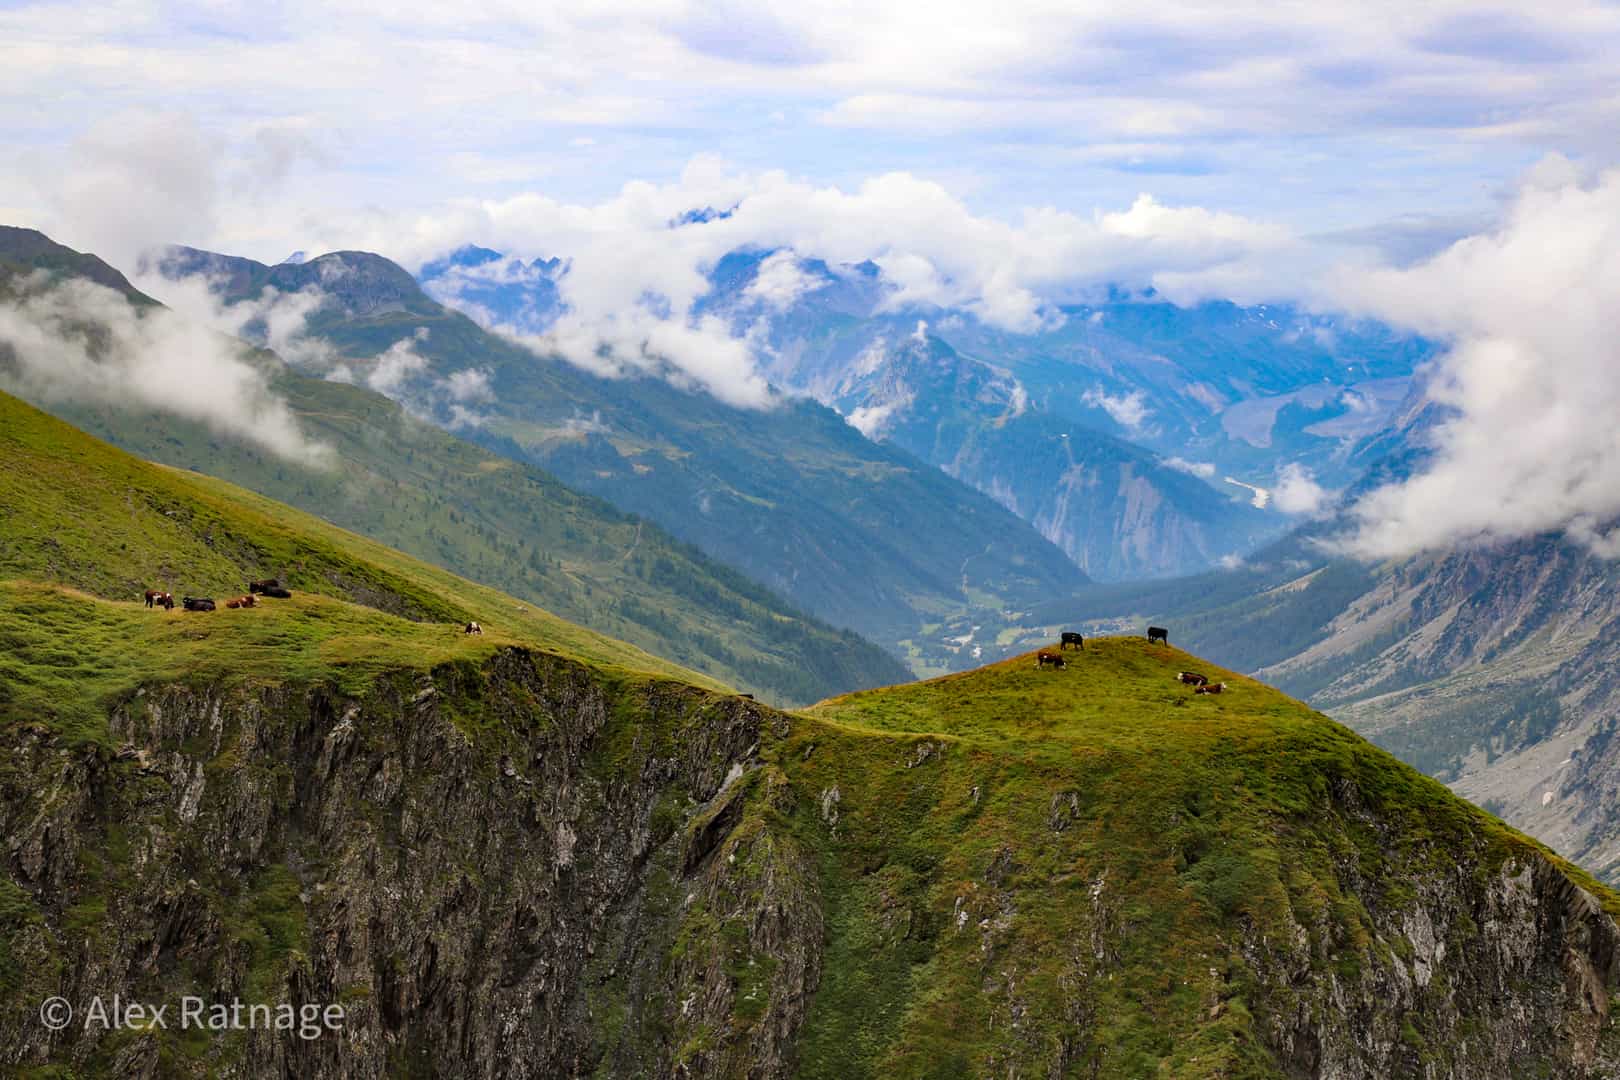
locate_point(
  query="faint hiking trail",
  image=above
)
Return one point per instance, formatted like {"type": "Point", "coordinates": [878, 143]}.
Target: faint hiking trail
{"type": "Point", "coordinates": [631, 550]}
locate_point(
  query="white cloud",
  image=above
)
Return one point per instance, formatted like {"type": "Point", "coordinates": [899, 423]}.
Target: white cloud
{"type": "Point", "coordinates": [871, 420]}
{"type": "Point", "coordinates": [780, 283]}
{"type": "Point", "coordinates": [1128, 410]}
{"type": "Point", "coordinates": [396, 366]}
{"type": "Point", "coordinates": [469, 386]}
{"type": "Point", "coordinates": [1531, 310]}
{"type": "Point", "coordinates": [1297, 492]}
{"type": "Point", "coordinates": [81, 342]}
{"type": "Point", "coordinates": [137, 181]}
{"type": "Point", "coordinates": [280, 320]}
{"type": "Point", "coordinates": [1203, 469]}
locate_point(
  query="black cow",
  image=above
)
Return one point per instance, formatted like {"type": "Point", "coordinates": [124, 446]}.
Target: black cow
{"type": "Point", "coordinates": [1072, 638]}
{"type": "Point", "coordinates": [192, 603]}
{"type": "Point", "coordinates": [1158, 633]}
{"type": "Point", "coordinates": [264, 586]}
{"type": "Point", "coordinates": [1192, 678]}
{"type": "Point", "coordinates": [275, 592]}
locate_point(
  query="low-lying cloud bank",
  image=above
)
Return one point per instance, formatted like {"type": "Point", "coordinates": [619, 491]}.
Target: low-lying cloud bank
{"type": "Point", "coordinates": [637, 263]}
{"type": "Point", "coordinates": [78, 341]}
{"type": "Point", "coordinates": [1532, 312]}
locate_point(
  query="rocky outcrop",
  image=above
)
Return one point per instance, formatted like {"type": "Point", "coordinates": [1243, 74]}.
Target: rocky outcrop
{"type": "Point", "coordinates": [520, 870]}
{"type": "Point", "coordinates": [1467, 973]}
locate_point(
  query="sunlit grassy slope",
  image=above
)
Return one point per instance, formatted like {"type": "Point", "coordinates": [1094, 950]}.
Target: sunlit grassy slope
{"type": "Point", "coordinates": [85, 529]}
{"type": "Point", "coordinates": [1102, 833]}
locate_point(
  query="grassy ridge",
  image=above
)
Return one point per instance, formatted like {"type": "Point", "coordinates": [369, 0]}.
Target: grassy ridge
{"type": "Point", "coordinates": [994, 830]}
{"type": "Point", "coordinates": [104, 526]}
{"type": "Point", "coordinates": [512, 526]}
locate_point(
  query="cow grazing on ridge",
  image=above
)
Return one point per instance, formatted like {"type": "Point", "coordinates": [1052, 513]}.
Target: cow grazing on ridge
{"type": "Point", "coordinates": [473, 628]}
{"type": "Point", "coordinates": [1043, 658]}
{"type": "Point", "coordinates": [192, 603]}
{"type": "Point", "coordinates": [1158, 633]}
{"type": "Point", "coordinates": [1210, 688]}
{"type": "Point", "coordinates": [1192, 678]}
{"type": "Point", "coordinates": [155, 599]}
{"type": "Point", "coordinates": [1072, 638]}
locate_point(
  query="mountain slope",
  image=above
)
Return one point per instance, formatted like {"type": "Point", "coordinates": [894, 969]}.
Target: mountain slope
{"type": "Point", "coordinates": [1117, 510]}
{"type": "Point", "coordinates": [82, 515]}
{"type": "Point", "coordinates": [501, 522]}
{"type": "Point", "coordinates": [510, 860]}
{"type": "Point", "coordinates": [864, 536]}
{"type": "Point", "coordinates": [1488, 667]}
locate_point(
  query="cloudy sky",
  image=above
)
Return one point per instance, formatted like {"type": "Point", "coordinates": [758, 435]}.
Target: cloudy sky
{"type": "Point", "coordinates": [268, 125]}
{"type": "Point", "coordinates": [1449, 168]}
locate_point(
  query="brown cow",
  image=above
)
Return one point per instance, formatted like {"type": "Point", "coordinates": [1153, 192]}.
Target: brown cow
{"type": "Point", "coordinates": [1210, 688]}
{"type": "Point", "coordinates": [473, 628]}
{"type": "Point", "coordinates": [160, 599]}
{"type": "Point", "coordinates": [1192, 678]}
{"type": "Point", "coordinates": [1044, 658]}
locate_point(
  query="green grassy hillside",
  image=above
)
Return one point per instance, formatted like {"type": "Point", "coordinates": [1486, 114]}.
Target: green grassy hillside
{"type": "Point", "coordinates": [99, 527]}
{"type": "Point", "coordinates": [1008, 839]}
{"type": "Point", "coordinates": [512, 526]}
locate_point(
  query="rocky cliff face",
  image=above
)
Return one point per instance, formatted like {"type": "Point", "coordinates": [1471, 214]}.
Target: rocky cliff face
{"type": "Point", "coordinates": [1116, 509]}
{"type": "Point", "coordinates": [1492, 669]}
{"type": "Point", "coordinates": [518, 871]}
{"type": "Point", "coordinates": [536, 868]}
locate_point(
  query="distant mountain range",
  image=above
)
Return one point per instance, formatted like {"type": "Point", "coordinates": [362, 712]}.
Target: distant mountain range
{"type": "Point", "coordinates": [1138, 436]}
{"type": "Point", "coordinates": [860, 534]}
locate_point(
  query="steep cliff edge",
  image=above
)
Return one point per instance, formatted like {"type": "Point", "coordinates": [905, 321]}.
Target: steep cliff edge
{"type": "Point", "coordinates": [517, 864]}
{"type": "Point", "coordinates": [494, 867]}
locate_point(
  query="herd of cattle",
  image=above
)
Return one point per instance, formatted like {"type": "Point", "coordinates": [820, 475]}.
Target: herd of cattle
{"type": "Point", "coordinates": [1070, 639]}
{"type": "Point", "coordinates": [269, 587]}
